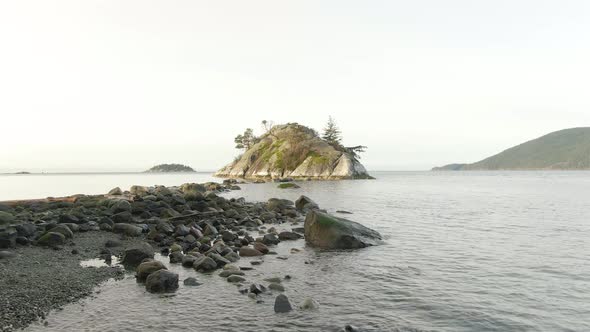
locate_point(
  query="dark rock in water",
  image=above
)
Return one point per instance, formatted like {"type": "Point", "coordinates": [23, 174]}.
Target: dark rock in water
{"type": "Point", "coordinates": [228, 236]}
{"type": "Point", "coordinates": [277, 204]}
{"type": "Point", "coordinates": [188, 260]}
{"type": "Point", "coordinates": [52, 239]}
{"type": "Point", "coordinates": [146, 268]}
{"type": "Point", "coordinates": [288, 185]}
{"type": "Point", "coordinates": [162, 281]}
{"type": "Point", "coordinates": [127, 229]}
{"type": "Point", "coordinates": [350, 328]}
{"type": "Point", "coordinates": [176, 257]}
{"type": "Point", "coordinates": [257, 289]}
{"type": "Point", "coordinates": [249, 252]}
{"type": "Point", "coordinates": [325, 231]}
{"type": "Point", "coordinates": [270, 239]}
{"type": "Point", "coordinates": [282, 304]}
{"type": "Point", "coordinates": [261, 247]}
{"type": "Point", "coordinates": [134, 256]}
{"type": "Point", "coordinates": [235, 278]}
{"type": "Point", "coordinates": [305, 204]}
{"type": "Point", "coordinates": [343, 212]}
{"type": "Point", "coordinates": [276, 287]}
{"type": "Point", "coordinates": [191, 282]}
{"type": "Point", "coordinates": [219, 260]}
{"type": "Point", "coordinates": [205, 264]}
{"type": "Point", "coordinates": [116, 191]}
{"type": "Point", "coordinates": [75, 251]}
{"type": "Point", "coordinates": [284, 236]}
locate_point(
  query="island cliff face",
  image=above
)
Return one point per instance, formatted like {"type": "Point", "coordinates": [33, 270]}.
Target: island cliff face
{"type": "Point", "coordinates": [297, 152]}
{"type": "Point", "coordinates": [567, 149]}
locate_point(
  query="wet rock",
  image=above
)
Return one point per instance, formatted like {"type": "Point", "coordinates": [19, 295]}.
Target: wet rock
{"type": "Point", "coordinates": [112, 243]}
{"type": "Point", "coordinates": [309, 304]}
{"type": "Point", "coordinates": [134, 256]}
{"type": "Point", "coordinates": [69, 218]}
{"type": "Point", "coordinates": [270, 239]}
{"type": "Point", "coordinates": [210, 231]}
{"type": "Point", "coordinates": [329, 232]}
{"type": "Point", "coordinates": [288, 185]}
{"type": "Point", "coordinates": [273, 280]}
{"type": "Point", "coordinates": [26, 230]}
{"type": "Point", "coordinates": [286, 236]}
{"type": "Point", "coordinates": [175, 247]}
{"type": "Point", "coordinates": [219, 260]}
{"type": "Point", "coordinates": [188, 260]}
{"type": "Point", "coordinates": [182, 230]}
{"type": "Point", "coordinates": [228, 236]}
{"type": "Point", "coordinates": [205, 264]}
{"type": "Point", "coordinates": [6, 218]}
{"type": "Point", "coordinates": [127, 229]}
{"type": "Point", "coordinates": [7, 254]}
{"type": "Point", "coordinates": [176, 257]}
{"type": "Point", "coordinates": [52, 239]}
{"type": "Point", "coordinates": [305, 204]}
{"type": "Point", "coordinates": [249, 252]}
{"type": "Point", "coordinates": [282, 304]}
{"type": "Point", "coordinates": [115, 191]}
{"type": "Point", "coordinates": [161, 281]}
{"type": "Point", "coordinates": [257, 289]}
{"type": "Point", "coordinates": [191, 282]}
{"type": "Point", "coordinates": [276, 287]}
{"type": "Point", "coordinates": [232, 257]}
{"type": "Point", "coordinates": [227, 273]}
{"type": "Point", "coordinates": [146, 268]}
{"type": "Point", "coordinates": [235, 278]}
{"type": "Point", "coordinates": [351, 328]}
{"type": "Point", "coordinates": [122, 217]}
{"type": "Point", "coordinates": [261, 247]}
{"type": "Point", "coordinates": [121, 205]}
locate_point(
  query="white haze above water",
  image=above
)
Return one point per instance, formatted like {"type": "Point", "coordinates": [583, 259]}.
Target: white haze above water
{"type": "Point", "coordinates": [124, 85]}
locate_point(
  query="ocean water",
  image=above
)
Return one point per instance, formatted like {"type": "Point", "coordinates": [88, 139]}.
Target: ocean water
{"type": "Point", "coordinates": [463, 251]}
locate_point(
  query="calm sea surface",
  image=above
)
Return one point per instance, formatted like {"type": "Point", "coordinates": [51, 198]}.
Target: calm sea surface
{"type": "Point", "coordinates": [464, 251]}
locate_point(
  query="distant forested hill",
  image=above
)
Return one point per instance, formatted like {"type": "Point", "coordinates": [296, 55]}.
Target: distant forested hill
{"type": "Point", "coordinates": [567, 149]}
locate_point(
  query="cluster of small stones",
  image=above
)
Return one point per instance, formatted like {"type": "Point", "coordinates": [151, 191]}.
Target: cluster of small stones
{"type": "Point", "coordinates": [190, 224]}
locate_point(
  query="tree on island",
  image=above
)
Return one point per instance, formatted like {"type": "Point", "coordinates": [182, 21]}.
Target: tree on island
{"type": "Point", "coordinates": [332, 133]}
{"type": "Point", "coordinates": [246, 140]}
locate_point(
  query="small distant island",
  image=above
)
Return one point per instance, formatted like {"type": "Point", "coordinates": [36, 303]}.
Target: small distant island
{"type": "Point", "coordinates": [294, 151]}
{"type": "Point", "coordinates": [22, 172]}
{"type": "Point", "coordinates": [567, 149]}
{"type": "Point", "coordinates": [170, 168]}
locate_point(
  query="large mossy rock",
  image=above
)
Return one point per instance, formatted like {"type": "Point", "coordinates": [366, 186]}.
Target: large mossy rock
{"type": "Point", "coordinates": [146, 268]}
{"type": "Point", "coordinates": [52, 239]}
{"type": "Point", "coordinates": [329, 232]}
{"type": "Point", "coordinates": [134, 256]}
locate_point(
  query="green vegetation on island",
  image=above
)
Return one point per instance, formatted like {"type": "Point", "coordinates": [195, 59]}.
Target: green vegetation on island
{"type": "Point", "coordinates": [567, 149]}
{"type": "Point", "coordinates": [170, 168]}
{"type": "Point", "coordinates": [295, 151]}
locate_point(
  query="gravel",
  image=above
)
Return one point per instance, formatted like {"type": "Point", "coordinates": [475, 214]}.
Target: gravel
{"type": "Point", "coordinates": [38, 279]}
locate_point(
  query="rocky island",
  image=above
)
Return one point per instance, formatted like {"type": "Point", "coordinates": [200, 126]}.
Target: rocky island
{"type": "Point", "coordinates": [43, 241]}
{"type": "Point", "coordinates": [298, 152]}
{"type": "Point", "coordinates": [170, 168]}
{"type": "Point", "coordinates": [567, 149]}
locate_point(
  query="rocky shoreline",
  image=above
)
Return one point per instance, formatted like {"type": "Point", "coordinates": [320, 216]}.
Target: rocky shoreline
{"type": "Point", "coordinates": [42, 242]}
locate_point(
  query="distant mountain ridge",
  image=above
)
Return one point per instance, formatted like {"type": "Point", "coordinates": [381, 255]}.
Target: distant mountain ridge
{"type": "Point", "coordinates": [567, 149]}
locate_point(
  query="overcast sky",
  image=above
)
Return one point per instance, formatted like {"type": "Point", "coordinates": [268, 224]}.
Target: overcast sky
{"type": "Point", "coordinates": [123, 85]}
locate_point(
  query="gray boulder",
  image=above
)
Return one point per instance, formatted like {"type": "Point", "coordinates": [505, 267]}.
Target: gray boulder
{"type": "Point", "coordinates": [127, 229]}
{"type": "Point", "coordinates": [282, 304]}
{"type": "Point", "coordinates": [162, 281]}
{"type": "Point", "coordinates": [52, 239]}
{"type": "Point", "coordinates": [191, 282]}
{"type": "Point", "coordinates": [134, 256]}
{"type": "Point", "coordinates": [146, 268]}
{"type": "Point", "coordinates": [205, 264]}
{"type": "Point", "coordinates": [305, 204]}
{"type": "Point", "coordinates": [115, 191]}
{"type": "Point", "coordinates": [329, 232]}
